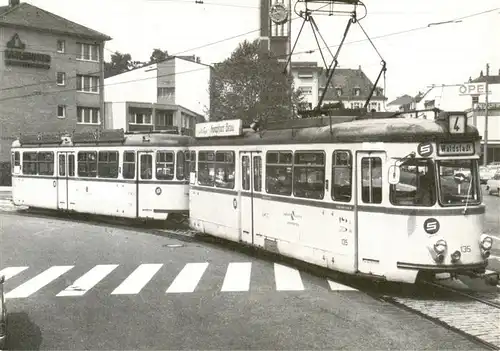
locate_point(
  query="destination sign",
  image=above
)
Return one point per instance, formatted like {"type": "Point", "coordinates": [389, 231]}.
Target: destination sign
{"type": "Point", "coordinates": [449, 149]}
{"type": "Point", "coordinates": [233, 127]}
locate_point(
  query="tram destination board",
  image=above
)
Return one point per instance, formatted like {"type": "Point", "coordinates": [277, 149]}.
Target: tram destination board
{"type": "Point", "coordinates": [455, 149]}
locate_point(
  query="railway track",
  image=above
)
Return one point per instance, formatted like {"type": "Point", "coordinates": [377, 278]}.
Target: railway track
{"type": "Point", "coordinates": [474, 313]}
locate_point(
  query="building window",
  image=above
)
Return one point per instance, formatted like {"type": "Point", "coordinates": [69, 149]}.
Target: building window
{"type": "Point", "coordinates": [61, 111]}
{"type": "Point", "coordinates": [339, 91]}
{"type": "Point", "coordinates": [88, 52]}
{"type": "Point", "coordinates": [140, 118]}
{"type": "Point", "coordinates": [356, 105]}
{"type": "Point", "coordinates": [166, 92]}
{"type": "Point", "coordinates": [305, 75]}
{"type": "Point", "coordinates": [61, 46]}
{"type": "Point", "coordinates": [88, 84]}
{"type": "Point", "coordinates": [306, 90]}
{"type": "Point", "coordinates": [61, 78]}
{"type": "Point", "coordinates": [357, 91]}
{"type": "Point", "coordinates": [88, 115]}
{"type": "Point", "coordinates": [164, 119]}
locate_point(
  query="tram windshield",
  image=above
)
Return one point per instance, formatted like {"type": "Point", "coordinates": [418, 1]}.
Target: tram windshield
{"type": "Point", "coordinates": [417, 186]}
{"type": "Point", "coordinates": [458, 182]}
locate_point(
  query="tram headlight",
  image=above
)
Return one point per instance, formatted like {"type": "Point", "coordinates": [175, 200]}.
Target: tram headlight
{"type": "Point", "coordinates": [486, 242]}
{"type": "Point", "coordinates": [440, 246]}
{"type": "Point", "coordinates": [456, 256]}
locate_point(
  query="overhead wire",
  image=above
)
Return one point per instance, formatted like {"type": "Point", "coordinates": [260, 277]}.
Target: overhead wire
{"type": "Point", "coordinates": [101, 71]}
{"type": "Point", "coordinates": [173, 74]}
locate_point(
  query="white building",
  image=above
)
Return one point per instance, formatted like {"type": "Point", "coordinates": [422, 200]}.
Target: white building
{"type": "Point", "coordinates": [451, 98]}
{"type": "Point", "coordinates": [349, 86]}
{"type": "Point", "coordinates": [173, 93]}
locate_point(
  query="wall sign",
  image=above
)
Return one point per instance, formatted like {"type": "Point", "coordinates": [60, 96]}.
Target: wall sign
{"type": "Point", "coordinates": [16, 56]}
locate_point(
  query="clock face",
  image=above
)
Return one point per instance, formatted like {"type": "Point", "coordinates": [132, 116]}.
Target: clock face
{"type": "Point", "coordinates": [278, 13]}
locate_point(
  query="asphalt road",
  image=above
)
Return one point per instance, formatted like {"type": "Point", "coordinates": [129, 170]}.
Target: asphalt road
{"type": "Point", "coordinates": [85, 286]}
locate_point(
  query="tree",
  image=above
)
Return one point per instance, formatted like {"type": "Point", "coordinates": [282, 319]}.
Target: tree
{"type": "Point", "coordinates": [250, 87]}
{"type": "Point", "coordinates": [158, 55]}
{"type": "Point", "coordinates": [119, 63]}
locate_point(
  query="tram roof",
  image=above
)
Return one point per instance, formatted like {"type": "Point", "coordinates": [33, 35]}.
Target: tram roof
{"type": "Point", "coordinates": [348, 130]}
{"type": "Point", "coordinates": [106, 138]}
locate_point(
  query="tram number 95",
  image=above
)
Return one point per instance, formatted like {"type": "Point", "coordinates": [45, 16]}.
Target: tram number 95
{"type": "Point", "coordinates": [465, 249]}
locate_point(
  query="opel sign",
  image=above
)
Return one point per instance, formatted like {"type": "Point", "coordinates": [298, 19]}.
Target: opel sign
{"type": "Point", "coordinates": [473, 89]}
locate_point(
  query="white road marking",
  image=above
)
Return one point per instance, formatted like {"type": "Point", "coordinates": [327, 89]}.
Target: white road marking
{"type": "Point", "coordinates": [188, 278]}
{"type": "Point", "coordinates": [137, 280]}
{"type": "Point", "coordinates": [38, 282]}
{"type": "Point", "coordinates": [9, 272]}
{"type": "Point", "coordinates": [88, 280]}
{"type": "Point", "coordinates": [339, 287]}
{"type": "Point", "coordinates": [287, 278]}
{"type": "Point", "coordinates": [237, 277]}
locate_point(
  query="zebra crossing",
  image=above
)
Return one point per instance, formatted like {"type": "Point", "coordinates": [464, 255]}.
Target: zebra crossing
{"type": "Point", "coordinates": [237, 278]}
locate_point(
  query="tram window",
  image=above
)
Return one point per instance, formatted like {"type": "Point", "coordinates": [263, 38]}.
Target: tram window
{"type": "Point", "coordinates": [206, 168]}
{"type": "Point", "coordinates": [371, 178]}
{"type": "Point", "coordinates": [164, 165]}
{"type": "Point", "coordinates": [146, 166]}
{"type": "Point", "coordinates": [309, 174]}
{"type": "Point", "coordinates": [16, 160]}
{"type": "Point", "coordinates": [279, 172]}
{"type": "Point", "coordinates": [29, 163]}
{"type": "Point", "coordinates": [128, 171]}
{"type": "Point", "coordinates": [224, 169]}
{"type": "Point", "coordinates": [71, 165]}
{"type": "Point", "coordinates": [108, 164]}
{"type": "Point", "coordinates": [181, 166]}
{"type": "Point", "coordinates": [257, 173]}
{"type": "Point", "coordinates": [193, 161]}
{"type": "Point", "coordinates": [417, 186]}
{"type": "Point", "coordinates": [341, 176]}
{"type": "Point", "coordinates": [87, 164]}
{"type": "Point", "coordinates": [187, 164]}
{"type": "Point", "coordinates": [46, 163]}
{"type": "Point", "coordinates": [245, 173]}
{"type": "Point", "coordinates": [62, 165]}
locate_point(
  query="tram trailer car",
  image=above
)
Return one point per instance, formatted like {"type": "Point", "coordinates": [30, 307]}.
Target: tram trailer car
{"type": "Point", "coordinates": [142, 176]}
{"type": "Point", "coordinates": [393, 199]}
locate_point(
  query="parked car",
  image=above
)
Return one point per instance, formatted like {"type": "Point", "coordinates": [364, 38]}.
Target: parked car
{"type": "Point", "coordinates": [487, 172]}
{"type": "Point", "coordinates": [493, 184]}
{"type": "Point", "coordinates": [3, 316]}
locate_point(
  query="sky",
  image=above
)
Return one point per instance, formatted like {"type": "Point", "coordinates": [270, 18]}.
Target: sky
{"type": "Point", "coordinates": [443, 54]}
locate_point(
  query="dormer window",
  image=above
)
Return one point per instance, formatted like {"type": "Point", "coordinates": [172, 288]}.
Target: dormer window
{"type": "Point", "coordinates": [357, 91]}
{"type": "Point", "coordinates": [338, 91]}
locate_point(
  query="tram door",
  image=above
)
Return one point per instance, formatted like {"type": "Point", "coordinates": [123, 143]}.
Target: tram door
{"type": "Point", "coordinates": [144, 175]}
{"type": "Point", "coordinates": [66, 170]}
{"type": "Point", "coordinates": [370, 224]}
{"type": "Point", "coordinates": [251, 186]}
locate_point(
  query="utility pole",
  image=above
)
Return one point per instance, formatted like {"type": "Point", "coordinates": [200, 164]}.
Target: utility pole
{"type": "Point", "coordinates": [486, 110]}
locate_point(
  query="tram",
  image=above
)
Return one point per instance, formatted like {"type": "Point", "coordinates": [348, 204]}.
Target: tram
{"type": "Point", "coordinates": [394, 199]}
{"type": "Point", "coordinates": [110, 173]}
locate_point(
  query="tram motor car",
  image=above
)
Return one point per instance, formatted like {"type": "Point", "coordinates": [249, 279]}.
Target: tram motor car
{"type": "Point", "coordinates": [387, 198]}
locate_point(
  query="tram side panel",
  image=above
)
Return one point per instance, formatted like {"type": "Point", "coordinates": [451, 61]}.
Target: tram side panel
{"type": "Point", "coordinates": [306, 223]}
{"type": "Point", "coordinates": [35, 184]}
{"type": "Point", "coordinates": [214, 199]}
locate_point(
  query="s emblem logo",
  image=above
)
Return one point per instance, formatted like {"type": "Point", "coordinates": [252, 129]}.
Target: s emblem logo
{"type": "Point", "coordinates": [425, 149]}
{"type": "Point", "coordinates": [431, 226]}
